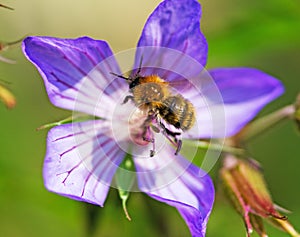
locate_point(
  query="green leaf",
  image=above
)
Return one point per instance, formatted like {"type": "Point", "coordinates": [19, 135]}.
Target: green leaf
{"type": "Point", "coordinates": [125, 178]}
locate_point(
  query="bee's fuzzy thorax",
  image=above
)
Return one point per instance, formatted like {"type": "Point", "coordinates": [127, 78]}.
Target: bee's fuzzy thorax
{"type": "Point", "coordinates": [149, 91]}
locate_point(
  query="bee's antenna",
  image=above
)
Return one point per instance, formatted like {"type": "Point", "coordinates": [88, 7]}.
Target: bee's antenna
{"type": "Point", "coordinates": [120, 76]}
{"type": "Point", "coordinates": [140, 66]}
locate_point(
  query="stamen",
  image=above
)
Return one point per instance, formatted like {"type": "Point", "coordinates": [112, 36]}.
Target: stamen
{"type": "Point", "coordinates": [149, 138]}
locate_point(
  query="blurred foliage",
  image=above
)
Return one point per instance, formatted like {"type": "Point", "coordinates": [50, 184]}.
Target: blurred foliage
{"type": "Point", "coordinates": [253, 33]}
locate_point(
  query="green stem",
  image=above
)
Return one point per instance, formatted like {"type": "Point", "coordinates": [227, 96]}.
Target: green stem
{"type": "Point", "coordinates": [158, 217]}
{"type": "Point", "coordinates": [5, 45]}
{"type": "Point", "coordinates": [7, 7]}
{"type": "Point", "coordinates": [71, 119]}
{"type": "Point", "coordinates": [262, 124]}
{"type": "Point", "coordinates": [125, 178]}
{"type": "Point", "coordinates": [50, 125]}
{"type": "Point", "coordinates": [92, 215]}
{"type": "Point", "coordinates": [216, 146]}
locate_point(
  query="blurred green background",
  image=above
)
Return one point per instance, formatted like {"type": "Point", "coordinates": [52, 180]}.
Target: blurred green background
{"type": "Point", "coordinates": [254, 33]}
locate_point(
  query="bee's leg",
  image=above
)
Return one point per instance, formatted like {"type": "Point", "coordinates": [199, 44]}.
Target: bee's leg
{"type": "Point", "coordinates": [179, 145]}
{"type": "Point", "coordinates": [176, 142]}
{"type": "Point", "coordinates": [169, 132]}
{"type": "Point", "coordinates": [145, 137]}
{"type": "Point", "coordinates": [152, 140]}
{"type": "Point", "coordinates": [152, 152]}
{"type": "Point", "coordinates": [127, 98]}
{"type": "Point", "coordinates": [147, 130]}
{"type": "Point", "coordinates": [154, 128]}
{"type": "Point", "coordinates": [149, 139]}
{"type": "Point", "coordinates": [146, 125]}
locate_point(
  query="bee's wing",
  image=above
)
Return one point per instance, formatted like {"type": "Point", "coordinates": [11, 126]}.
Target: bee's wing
{"type": "Point", "coordinates": [181, 86]}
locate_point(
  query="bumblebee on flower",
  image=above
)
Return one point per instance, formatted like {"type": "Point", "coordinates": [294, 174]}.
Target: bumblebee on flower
{"type": "Point", "coordinates": [175, 100]}
{"type": "Point", "coordinates": [152, 94]}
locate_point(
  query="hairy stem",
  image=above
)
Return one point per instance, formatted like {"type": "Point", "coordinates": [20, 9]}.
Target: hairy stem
{"type": "Point", "coordinates": [263, 124]}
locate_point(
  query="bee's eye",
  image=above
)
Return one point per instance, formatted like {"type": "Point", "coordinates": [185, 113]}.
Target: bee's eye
{"type": "Point", "coordinates": [134, 83]}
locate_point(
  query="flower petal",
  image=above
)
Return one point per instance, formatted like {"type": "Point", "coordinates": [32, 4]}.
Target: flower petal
{"type": "Point", "coordinates": [76, 72]}
{"type": "Point", "coordinates": [81, 160]}
{"type": "Point", "coordinates": [175, 24]}
{"type": "Point", "coordinates": [177, 182]}
{"type": "Point", "coordinates": [245, 92]}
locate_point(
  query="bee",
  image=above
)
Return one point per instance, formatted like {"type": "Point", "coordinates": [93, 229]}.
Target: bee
{"type": "Point", "coordinates": [154, 95]}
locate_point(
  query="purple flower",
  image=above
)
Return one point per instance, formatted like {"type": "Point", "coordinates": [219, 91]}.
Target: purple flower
{"type": "Point", "coordinates": [83, 157]}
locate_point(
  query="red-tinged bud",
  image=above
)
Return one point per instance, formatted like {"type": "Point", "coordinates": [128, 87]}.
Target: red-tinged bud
{"type": "Point", "coordinates": [247, 190]}
{"type": "Point", "coordinates": [258, 225]}
{"type": "Point", "coordinates": [284, 225]}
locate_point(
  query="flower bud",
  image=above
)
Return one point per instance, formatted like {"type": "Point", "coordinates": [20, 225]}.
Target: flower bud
{"type": "Point", "coordinates": [247, 190]}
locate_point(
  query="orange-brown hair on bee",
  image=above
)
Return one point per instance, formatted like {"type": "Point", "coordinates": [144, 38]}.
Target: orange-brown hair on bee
{"type": "Point", "coordinates": [149, 92]}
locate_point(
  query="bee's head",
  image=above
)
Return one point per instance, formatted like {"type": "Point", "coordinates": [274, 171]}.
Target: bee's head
{"type": "Point", "coordinates": [134, 80]}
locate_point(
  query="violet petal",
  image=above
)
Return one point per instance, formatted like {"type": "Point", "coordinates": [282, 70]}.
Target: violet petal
{"type": "Point", "coordinates": [76, 72]}
{"type": "Point", "coordinates": [174, 24]}
{"type": "Point", "coordinates": [81, 160]}
{"type": "Point", "coordinates": [177, 182]}
{"type": "Point", "coordinates": [244, 91]}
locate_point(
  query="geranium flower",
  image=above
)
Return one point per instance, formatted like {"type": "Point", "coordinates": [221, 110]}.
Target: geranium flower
{"type": "Point", "coordinates": [83, 157]}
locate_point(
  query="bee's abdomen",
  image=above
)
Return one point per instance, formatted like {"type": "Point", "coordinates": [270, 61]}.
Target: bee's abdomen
{"type": "Point", "coordinates": [178, 111]}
